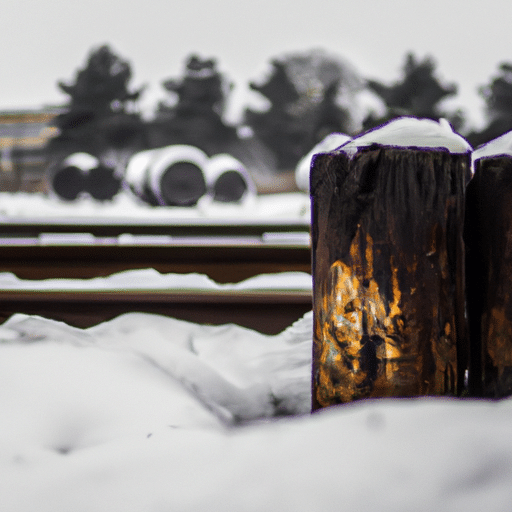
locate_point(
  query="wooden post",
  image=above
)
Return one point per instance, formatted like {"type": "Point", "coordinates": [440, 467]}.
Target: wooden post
{"type": "Point", "coordinates": [488, 237]}
{"type": "Point", "coordinates": [388, 269]}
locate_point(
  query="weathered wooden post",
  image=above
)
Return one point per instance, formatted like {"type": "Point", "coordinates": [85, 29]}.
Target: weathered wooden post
{"type": "Point", "coordinates": [488, 237]}
{"type": "Point", "coordinates": [388, 264]}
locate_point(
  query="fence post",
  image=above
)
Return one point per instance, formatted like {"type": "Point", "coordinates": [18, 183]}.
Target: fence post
{"type": "Point", "coordinates": [488, 238]}
{"type": "Point", "coordinates": [388, 264]}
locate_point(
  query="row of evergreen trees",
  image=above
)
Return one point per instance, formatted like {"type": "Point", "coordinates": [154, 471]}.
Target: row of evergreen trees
{"type": "Point", "coordinates": [307, 95]}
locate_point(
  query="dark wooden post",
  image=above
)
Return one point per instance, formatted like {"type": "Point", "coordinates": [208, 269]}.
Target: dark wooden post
{"type": "Point", "coordinates": [388, 271]}
{"type": "Point", "coordinates": [488, 237]}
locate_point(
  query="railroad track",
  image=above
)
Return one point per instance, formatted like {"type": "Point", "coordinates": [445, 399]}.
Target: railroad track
{"type": "Point", "coordinates": [227, 252]}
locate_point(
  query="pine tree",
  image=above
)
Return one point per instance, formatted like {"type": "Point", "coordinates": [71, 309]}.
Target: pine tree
{"type": "Point", "coordinates": [498, 102]}
{"type": "Point", "coordinates": [498, 94]}
{"type": "Point", "coordinates": [196, 118]}
{"type": "Point", "coordinates": [97, 114]}
{"type": "Point", "coordinates": [303, 91]}
{"type": "Point", "coordinates": [98, 120]}
{"type": "Point", "coordinates": [102, 85]}
{"type": "Point", "coordinates": [417, 94]}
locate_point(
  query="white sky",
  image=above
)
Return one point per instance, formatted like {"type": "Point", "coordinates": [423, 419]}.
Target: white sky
{"type": "Point", "coordinates": [44, 42]}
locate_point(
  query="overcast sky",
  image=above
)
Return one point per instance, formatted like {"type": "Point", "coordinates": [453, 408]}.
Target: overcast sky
{"type": "Point", "coordinates": [43, 42]}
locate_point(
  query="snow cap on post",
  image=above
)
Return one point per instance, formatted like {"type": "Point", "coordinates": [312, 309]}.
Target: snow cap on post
{"type": "Point", "coordinates": [411, 132]}
{"type": "Point", "coordinates": [501, 146]}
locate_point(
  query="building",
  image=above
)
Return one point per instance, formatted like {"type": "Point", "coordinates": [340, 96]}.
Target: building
{"type": "Point", "coordinates": [24, 135]}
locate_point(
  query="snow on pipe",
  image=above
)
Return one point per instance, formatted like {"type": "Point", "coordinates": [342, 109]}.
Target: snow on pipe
{"type": "Point", "coordinates": [137, 172]}
{"type": "Point", "coordinates": [142, 178]}
{"type": "Point", "coordinates": [84, 173]}
{"type": "Point", "coordinates": [228, 180]}
{"type": "Point", "coordinates": [69, 180]}
{"type": "Point", "coordinates": [176, 175]}
{"type": "Point", "coordinates": [329, 143]}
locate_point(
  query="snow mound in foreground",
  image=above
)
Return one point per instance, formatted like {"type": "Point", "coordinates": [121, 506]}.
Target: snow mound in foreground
{"type": "Point", "coordinates": [148, 413]}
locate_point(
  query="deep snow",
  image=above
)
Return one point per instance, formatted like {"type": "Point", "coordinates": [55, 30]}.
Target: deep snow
{"type": "Point", "coordinates": [147, 413]}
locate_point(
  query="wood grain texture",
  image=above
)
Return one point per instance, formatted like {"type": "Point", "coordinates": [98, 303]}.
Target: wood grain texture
{"type": "Point", "coordinates": [388, 274]}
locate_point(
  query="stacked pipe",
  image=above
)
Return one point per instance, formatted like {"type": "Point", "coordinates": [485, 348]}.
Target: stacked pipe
{"type": "Point", "coordinates": [182, 175]}
{"type": "Point", "coordinates": [227, 179]}
{"type": "Point", "coordinates": [83, 173]}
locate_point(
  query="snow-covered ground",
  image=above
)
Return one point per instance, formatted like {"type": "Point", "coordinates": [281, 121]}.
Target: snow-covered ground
{"type": "Point", "coordinates": [290, 206]}
{"type": "Point", "coordinates": [151, 279]}
{"type": "Point", "coordinates": [147, 413]}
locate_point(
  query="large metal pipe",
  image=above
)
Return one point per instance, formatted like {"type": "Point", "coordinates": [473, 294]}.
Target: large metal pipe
{"type": "Point", "coordinates": [83, 173]}
{"type": "Point", "coordinates": [168, 176]}
{"type": "Point", "coordinates": [136, 175]}
{"type": "Point", "coordinates": [102, 183]}
{"type": "Point", "coordinates": [228, 180]}
{"type": "Point", "coordinates": [69, 180]}
{"type": "Point", "coordinates": [176, 175]}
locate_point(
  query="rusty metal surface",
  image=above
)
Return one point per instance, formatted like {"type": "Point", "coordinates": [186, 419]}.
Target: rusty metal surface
{"type": "Point", "coordinates": [388, 274]}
